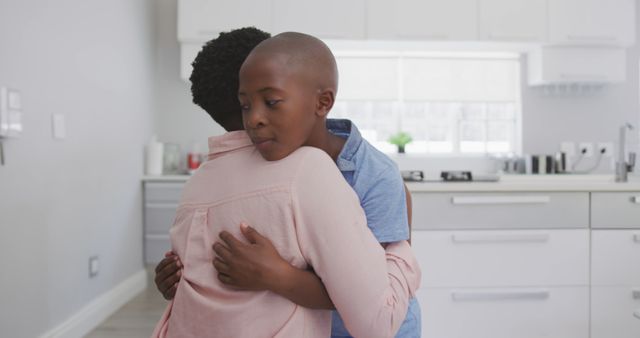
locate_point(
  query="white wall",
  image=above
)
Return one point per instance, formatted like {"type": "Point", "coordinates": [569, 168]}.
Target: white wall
{"type": "Point", "coordinates": [62, 201]}
{"type": "Point", "coordinates": [549, 120]}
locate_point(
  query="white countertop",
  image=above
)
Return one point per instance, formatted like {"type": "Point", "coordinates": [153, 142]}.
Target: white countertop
{"type": "Point", "coordinates": [506, 183]}
{"type": "Point", "coordinates": [166, 178]}
{"type": "Point", "coordinates": [533, 183]}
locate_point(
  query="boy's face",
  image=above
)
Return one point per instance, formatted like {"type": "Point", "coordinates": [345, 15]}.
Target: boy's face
{"type": "Point", "coordinates": [278, 105]}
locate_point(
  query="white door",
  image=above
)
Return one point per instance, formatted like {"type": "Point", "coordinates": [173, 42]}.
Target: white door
{"type": "Point", "coordinates": [535, 312]}
{"type": "Point", "coordinates": [331, 19]}
{"type": "Point", "coordinates": [202, 20]}
{"type": "Point", "coordinates": [513, 20]}
{"type": "Point", "coordinates": [612, 311]}
{"type": "Point", "coordinates": [423, 19]}
{"type": "Point", "coordinates": [592, 22]}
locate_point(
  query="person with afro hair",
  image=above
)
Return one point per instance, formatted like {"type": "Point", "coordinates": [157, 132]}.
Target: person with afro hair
{"type": "Point", "coordinates": [214, 79]}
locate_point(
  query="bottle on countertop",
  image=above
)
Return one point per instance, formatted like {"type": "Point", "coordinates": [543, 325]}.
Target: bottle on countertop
{"type": "Point", "coordinates": [153, 157]}
{"type": "Point", "coordinates": [194, 158]}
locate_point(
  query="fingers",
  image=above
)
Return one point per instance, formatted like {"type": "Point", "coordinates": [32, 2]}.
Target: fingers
{"type": "Point", "coordinates": [169, 254]}
{"type": "Point", "coordinates": [221, 266]}
{"type": "Point", "coordinates": [230, 240]}
{"type": "Point", "coordinates": [171, 292]}
{"type": "Point", "coordinates": [168, 275]}
{"type": "Point", "coordinates": [164, 262]}
{"type": "Point", "coordinates": [251, 234]}
{"type": "Point", "coordinates": [223, 252]}
{"type": "Point", "coordinates": [225, 279]}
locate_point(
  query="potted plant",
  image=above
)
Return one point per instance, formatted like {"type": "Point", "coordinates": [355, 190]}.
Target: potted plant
{"type": "Point", "coordinates": [400, 139]}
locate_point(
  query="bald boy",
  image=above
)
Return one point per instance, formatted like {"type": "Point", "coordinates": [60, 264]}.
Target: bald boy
{"type": "Point", "coordinates": [300, 201]}
{"type": "Point", "coordinates": [287, 87]}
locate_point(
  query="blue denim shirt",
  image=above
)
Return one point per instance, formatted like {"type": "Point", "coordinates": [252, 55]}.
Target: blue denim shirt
{"type": "Point", "coordinates": [379, 186]}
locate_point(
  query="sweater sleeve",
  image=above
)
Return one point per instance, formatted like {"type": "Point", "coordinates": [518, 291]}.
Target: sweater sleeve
{"type": "Point", "coordinates": [369, 286]}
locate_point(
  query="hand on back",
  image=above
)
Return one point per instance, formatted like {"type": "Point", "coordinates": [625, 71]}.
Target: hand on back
{"type": "Point", "coordinates": [253, 266]}
{"type": "Point", "coordinates": [168, 273]}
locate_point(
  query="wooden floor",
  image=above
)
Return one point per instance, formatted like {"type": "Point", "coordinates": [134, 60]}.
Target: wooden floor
{"type": "Point", "coordinates": [135, 319]}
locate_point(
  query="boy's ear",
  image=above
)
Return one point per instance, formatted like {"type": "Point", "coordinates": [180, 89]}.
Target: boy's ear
{"type": "Point", "coordinates": [326, 98]}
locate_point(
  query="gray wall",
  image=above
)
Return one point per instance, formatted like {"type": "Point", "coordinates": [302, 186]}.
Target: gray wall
{"type": "Point", "coordinates": [548, 120]}
{"type": "Point", "coordinates": [62, 201]}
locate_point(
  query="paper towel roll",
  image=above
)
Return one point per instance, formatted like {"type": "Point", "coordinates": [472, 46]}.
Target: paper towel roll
{"type": "Point", "coordinates": [154, 153]}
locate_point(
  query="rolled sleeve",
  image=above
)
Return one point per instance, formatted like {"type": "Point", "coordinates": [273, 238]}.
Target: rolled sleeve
{"type": "Point", "coordinates": [385, 206]}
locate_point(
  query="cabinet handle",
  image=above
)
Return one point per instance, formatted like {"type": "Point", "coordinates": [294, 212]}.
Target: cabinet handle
{"type": "Point", "coordinates": [482, 200]}
{"type": "Point", "coordinates": [500, 238]}
{"type": "Point", "coordinates": [636, 238]}
{"type": "Point", "coordinates": [635, 199]}
{"type": "Point", "coordinates": [485, 296]}
{"type": "Point", "coordinates": [636, 313]}
{"type": "Point", "coordinates": [592, 38]}
{"type": "Point", "coordinates": [161, 205]}
{"type": "Point", "coordinates": [635, 293]}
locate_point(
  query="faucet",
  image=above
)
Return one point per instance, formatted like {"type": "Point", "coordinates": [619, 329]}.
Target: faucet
{"type": "Point", "coordinates": [622, 166]}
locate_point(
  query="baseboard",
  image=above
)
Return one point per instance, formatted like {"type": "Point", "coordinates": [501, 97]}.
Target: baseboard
{"type": "Point", "coordinates": [100, 309]}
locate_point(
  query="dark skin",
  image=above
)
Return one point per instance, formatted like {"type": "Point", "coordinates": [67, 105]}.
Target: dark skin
{"type": "Point", "coordinates": [284, 106]}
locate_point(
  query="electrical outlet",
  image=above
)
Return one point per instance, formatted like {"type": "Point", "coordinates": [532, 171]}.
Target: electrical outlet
{"type": "Point", "coordinates": [605, 148]}
{"type": "Point", "coordinates": [585, 148]}
{"type": "Point", "coordinates": [94, 266]}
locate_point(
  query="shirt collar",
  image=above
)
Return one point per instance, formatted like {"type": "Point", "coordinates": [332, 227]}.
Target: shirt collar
{"type": "Point", "coordinates": [230, 141]}
{"type": "Point", "coordinates": [345, 128]}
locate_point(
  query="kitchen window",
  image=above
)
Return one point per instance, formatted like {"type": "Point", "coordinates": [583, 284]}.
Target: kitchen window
{"type": "Point", "coordinates": [450, 103]}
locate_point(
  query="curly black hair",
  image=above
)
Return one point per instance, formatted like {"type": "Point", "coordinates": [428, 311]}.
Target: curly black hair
{"type": "Point", "coordinates": [214, 79]}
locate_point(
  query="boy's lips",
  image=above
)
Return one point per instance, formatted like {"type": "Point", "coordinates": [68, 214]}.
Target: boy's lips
{"type": "Point", "coordinates": [261, 142]}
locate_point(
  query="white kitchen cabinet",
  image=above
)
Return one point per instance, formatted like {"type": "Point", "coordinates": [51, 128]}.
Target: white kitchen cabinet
{"type": "Point", "coordinates": [504, 258]}
{"type": "Point", "coordinates": [330, 19]}
{"type": "Point", "coordinates": [619, 210]}
{"type": "Point", "coordinates": [615, 257]}
{"type": "Point", "coordinates": [615, 264]}
{"type": "Point", "coordinates": [508, 210]}
{"type": "Point", "coordinates": [592, 22]}
{"type": "Point", "coordinates": [612, 312]}
{"type": "Point", "coordinates": [513, 20]}
{"type": "Point", "coordinates": [567, 65]}
{"type": "Point", "coordinates": [422, 19]}
{"type": "Point", "coordinates": [533, 312]}
{"type": "Point", "coordinates": [507, 264]}
{"type": "Point", "coordinates": [161, 201]}
{"type": "Point", "coordinates": [203, 20]}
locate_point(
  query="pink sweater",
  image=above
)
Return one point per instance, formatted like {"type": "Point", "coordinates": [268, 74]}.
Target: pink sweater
{"type": "Point", "coordinates": [314, 219]}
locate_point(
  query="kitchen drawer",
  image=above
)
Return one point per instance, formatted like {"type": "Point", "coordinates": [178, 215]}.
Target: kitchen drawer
{"type": "Point", "coordinates": [505, 313]}
{"type": "Point", "coordinates": [523, 210]}
{"type": "Point", "coordinates": [158, 217]}
{"type": "Point", "coordinates": [615, 210]}
{"type": "Point", "coordinates": [492, 258]}
{"type": "Point", "coordinates": [155, 247]}
{"type": "Point", "coordinates": [612, 312]}
{"type": "Point", "coordinates": [163, 192]}
{"type": "Point", "coordinates": [615, 256]}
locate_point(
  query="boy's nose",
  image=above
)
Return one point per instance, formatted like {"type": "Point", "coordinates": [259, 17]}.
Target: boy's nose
{"type": "Point", "coordinates": [254, 118]}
